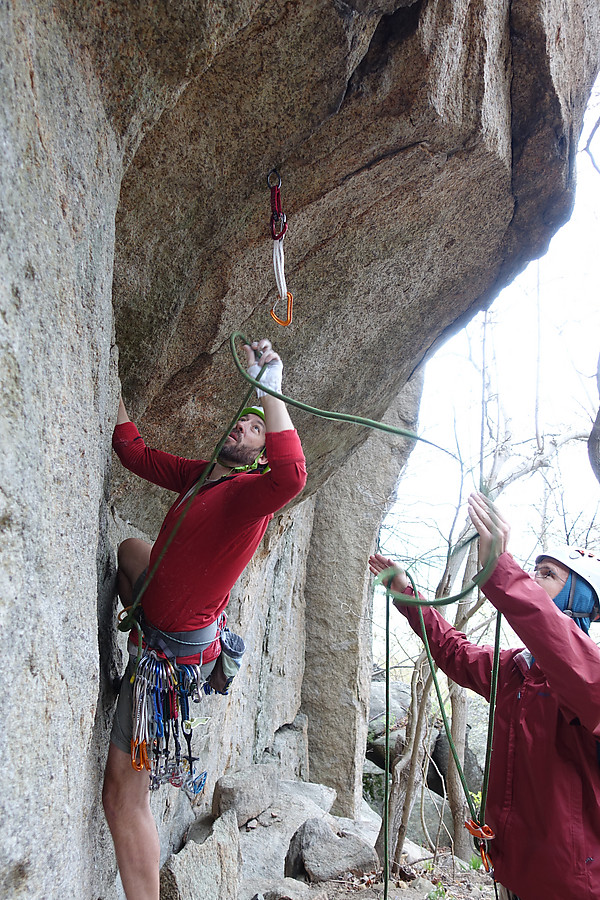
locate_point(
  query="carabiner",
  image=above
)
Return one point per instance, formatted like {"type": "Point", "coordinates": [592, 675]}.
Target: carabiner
{"type": "Point", "coordinates": [278, 218]}
{"type": "Point", "coordinates": [288, 320]}
{"type": "Point", "coordinates": [142, 763]}
{"type": "Point", "coordinates": [485, 859]}
{"type": "Point", "coordinates": [278, 226]}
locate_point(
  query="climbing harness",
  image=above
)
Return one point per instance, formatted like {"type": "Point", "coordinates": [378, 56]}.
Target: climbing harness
{"type": "Point", "coordinates": [279, 228]}
{"type": "Point", "coordinates": [162, 690]}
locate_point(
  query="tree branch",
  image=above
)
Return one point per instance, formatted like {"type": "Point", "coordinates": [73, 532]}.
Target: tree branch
{"type": "Point", "coordinates": [587, 149]}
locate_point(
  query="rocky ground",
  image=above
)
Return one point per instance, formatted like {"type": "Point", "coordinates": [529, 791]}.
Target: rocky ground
{"type": "Point", "coordinates": [442, 880]}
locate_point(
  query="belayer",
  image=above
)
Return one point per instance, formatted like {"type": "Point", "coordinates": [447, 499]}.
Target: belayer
{"type": "Point", "coordinates": [259, 469]}
{"type": "Point", "coordinates": [543, 800]}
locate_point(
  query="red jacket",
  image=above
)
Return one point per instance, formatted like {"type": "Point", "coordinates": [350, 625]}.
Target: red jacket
{"type": "Point", "coordinates": [220, 531]}
{"type": "Point", "coordinates": [544, 790]}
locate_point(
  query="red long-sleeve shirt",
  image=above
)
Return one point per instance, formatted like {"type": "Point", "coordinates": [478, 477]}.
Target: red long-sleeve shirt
{"type": "Point", "coordinates": [220, 531]}
{"type": "Point", "coordinates": [544, 790]}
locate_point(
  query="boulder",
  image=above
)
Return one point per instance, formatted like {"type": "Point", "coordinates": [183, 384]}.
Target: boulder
{"type": "Point", "coordinates": [318, 853]}
{"type": "Point", "coordinates": [365, 826]}
{"type": "Point", "coordinates": [399, 706]}
{"type": "Point", "coordinates": [431, 808]}
{"type": "Point", "coordinates": [248, 793]}
{"type": "Point", "coordinates": [438, 767]}
{"type": "Point", "coordinates": [290, 889]}
{"type": "Point", "coordinates": [264, 841]}
{"type": "Point", "coordinates": [208, 869]}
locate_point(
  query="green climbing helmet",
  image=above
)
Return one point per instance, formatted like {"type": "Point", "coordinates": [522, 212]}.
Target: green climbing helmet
{"type": "Point", "coordinates": [255, 410]}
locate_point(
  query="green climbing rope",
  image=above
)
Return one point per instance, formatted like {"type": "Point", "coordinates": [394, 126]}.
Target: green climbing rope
{"type": "Point", "coordinates": [129, 620]}
{"type": "Point", "coordinates": [328, 414]}
{"type": "Point", "coordinates": [490, 735]}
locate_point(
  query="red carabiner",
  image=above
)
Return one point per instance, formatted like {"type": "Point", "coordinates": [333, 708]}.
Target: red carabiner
{"type": "Point", "coordinates": [278, 217]}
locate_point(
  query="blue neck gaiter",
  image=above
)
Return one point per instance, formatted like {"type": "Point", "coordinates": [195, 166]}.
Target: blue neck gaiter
{"type": "Point", "coordinates": [582, 604]}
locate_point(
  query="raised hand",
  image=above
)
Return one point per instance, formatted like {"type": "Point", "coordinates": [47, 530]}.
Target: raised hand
{"type": "Point", "coordinates": [492, 527]}
{"type": "Point", "coordinates": [378, 564]}
{"type": "Point", "coordinates": [261, 353]}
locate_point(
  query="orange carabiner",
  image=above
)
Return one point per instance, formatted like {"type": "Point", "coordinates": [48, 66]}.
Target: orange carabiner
{"type": "Point", "coordinates": [142, 763]}
{"type": "Point", "coordinates": [287, 321]}
{"type": "Point", "coordinates": [123, 613]}
{"type": "Point", "coordinates": [485, 859]}
{"type": "Point", "coordinates": [483, 832]}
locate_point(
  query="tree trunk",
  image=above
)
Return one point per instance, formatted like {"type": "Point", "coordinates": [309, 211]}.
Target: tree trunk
{"type": "Point", "coordinates": [406, 769]}
{"type": "Point", "coordinates": [458, 698]}
{"type": "Point", "coordinates": [594, 438]}
{"type": "Point", "coordinates": [456, 795]}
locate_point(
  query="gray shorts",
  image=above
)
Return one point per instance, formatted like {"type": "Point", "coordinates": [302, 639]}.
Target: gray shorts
{"type": "Point", "coordinates": [122, 729]}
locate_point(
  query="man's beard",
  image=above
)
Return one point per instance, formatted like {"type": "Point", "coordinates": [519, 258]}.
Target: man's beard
{"type": "Point", "coordinates": [232, 455]}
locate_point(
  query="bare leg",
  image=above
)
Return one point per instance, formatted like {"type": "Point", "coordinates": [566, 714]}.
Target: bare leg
{"type": "Point", "coordinates": [127, 808]}
{"type": "Point", "coordinates": [133, 557]}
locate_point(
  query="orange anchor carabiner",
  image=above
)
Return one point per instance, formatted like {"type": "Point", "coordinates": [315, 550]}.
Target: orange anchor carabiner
{"type": "Point", "coordinates": [288, 319]}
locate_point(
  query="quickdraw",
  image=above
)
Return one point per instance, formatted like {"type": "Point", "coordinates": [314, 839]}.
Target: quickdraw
{"type": "Point", "coordinates": [161, 712]}
{"type": "Point", "coordinates": [279, 228]}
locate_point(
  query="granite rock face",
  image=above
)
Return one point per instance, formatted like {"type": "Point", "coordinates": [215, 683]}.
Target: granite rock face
{"type": "Point", "coordinates": [337, 679]}
{"type": "Point", "coordinates": [426, 151]}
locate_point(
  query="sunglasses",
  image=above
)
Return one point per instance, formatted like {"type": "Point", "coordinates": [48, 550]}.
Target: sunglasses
{"type": "Point", "coordinates": [546, 572]}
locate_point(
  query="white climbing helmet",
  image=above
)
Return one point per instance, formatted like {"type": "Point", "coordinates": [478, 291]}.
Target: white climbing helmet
{"type": "Point", "coordinates": [583, 562]}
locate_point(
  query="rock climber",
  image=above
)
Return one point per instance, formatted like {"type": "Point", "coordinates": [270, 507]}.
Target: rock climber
{"type": "Point", "coordinates": [189, 590]}
{"type": "Point", "coordinates": [544, 788]}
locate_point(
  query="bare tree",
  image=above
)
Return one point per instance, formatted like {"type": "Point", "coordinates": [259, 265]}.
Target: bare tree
{"type": "Point", "coordinates": [588, 147]}
{"type": "Point", "coordinates": [594, 438]}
